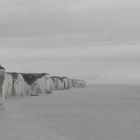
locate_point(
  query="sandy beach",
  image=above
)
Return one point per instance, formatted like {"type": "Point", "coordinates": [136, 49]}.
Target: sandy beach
{"type": "Point", "coordinates": [100, 112]}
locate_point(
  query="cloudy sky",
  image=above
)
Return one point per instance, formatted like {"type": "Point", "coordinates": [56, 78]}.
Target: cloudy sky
{"type": "Point", "coordinates": [95, 40]}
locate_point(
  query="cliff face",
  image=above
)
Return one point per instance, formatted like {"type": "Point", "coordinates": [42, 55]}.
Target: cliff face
{"type": "Point", "coordinates": [60, 83]}
{"type": "Point", "coordinates": [22, 84]}
{"type": "Point", "coordinates": [2, 71]}
{"type": "Point", "coordinates": [77, 83]}
{"type": "Point", "coordinates": [33, 84]}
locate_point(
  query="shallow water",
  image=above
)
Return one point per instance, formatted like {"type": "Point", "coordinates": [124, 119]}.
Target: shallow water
{"type": "Point", "coordinates": [100, 112]}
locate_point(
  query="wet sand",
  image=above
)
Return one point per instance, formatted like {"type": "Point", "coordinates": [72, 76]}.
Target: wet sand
{"type": "Point", "coordinates": [99, 112]}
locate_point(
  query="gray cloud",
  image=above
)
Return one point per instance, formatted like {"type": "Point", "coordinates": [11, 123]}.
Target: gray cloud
{"type": "Point", "coordinates": [94, 20]}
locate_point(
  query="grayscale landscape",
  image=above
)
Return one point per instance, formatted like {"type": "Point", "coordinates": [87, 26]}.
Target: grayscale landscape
{"type": "Point", "coordinates": [98, 112]}
{"type": "Point", "coordinates": [70, 70]}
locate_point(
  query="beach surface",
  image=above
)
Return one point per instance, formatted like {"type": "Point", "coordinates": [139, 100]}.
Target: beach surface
{"type": "Point", "coordinates": [98, 112]}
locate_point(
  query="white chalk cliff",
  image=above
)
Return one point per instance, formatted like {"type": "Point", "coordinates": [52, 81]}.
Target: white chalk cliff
{"type": "Point", "coordinates": [2, 73]}
{"type": "Point", "coordinates": [33, 84]}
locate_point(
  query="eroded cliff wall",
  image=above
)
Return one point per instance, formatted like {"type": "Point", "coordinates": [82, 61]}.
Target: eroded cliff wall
{"type": "Point", "coordinates": [23, 84]}
{"type": "Point", "coordinates": [2, 73]}
{"type": "Point", "coordinates": [33, 84]}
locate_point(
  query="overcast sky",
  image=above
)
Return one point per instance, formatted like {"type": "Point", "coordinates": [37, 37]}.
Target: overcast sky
{"type": "Point", "coordinates": [95, 40]}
